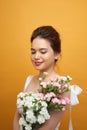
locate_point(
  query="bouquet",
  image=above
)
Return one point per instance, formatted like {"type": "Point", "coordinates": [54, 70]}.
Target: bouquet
{"type": "Point", "coordinates": [52, 92]}
{"type": "Point", "coordinates": [35, 108]}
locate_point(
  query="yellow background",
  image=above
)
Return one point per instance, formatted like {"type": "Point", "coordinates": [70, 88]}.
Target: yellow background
{"type": "Point", "coordinates": [18, 19]}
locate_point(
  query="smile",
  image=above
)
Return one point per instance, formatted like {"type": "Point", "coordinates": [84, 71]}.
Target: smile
{"type": "Point", "coordinates": [38, 63]}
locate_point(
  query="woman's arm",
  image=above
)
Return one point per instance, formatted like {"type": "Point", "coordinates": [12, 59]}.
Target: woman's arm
{"type": "Point", "coordinates": [52, 123]}
{"type": "Point", "coordinates": [16, 121]}
{"type": "Point", "coordinates": [55, 118]}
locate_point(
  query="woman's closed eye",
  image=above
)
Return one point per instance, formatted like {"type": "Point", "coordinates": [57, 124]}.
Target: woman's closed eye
{"type": "Point", "coordinates": [43, 52]}
{"type": "Point", "coordinates": [33, 52]}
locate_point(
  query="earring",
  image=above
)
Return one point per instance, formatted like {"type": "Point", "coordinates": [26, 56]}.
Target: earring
{"type": "Point", "coordinates": [56, 58]}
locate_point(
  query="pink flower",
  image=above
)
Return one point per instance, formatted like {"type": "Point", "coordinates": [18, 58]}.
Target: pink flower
{"type": "Point", "coordinates": [63, 109]}
{"type": "Point", "coordinates": [43, 84]}
{"type": "Point", "coordinates": [67, 100]}
{"type": "Point", "coordinates": [41, 96]}
{"type": "Point", "coordinates": [52, 79]}
{"type": "Point", "coordinates": [56, 100]}
{"type": "Point", "coordinates": [48, 96]}
{"type": "Point", "coordinates": [57, 84]}
{"type": "Point", "coordinates": [63, 102]}
{"type": "Point", "coordinates": [66, 85]}
{"type": "Point", "coordinates": [52, 94]}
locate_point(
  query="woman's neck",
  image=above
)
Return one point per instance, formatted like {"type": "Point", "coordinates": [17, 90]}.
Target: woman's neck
{"type": "Point", "coordinates": [49, 75]}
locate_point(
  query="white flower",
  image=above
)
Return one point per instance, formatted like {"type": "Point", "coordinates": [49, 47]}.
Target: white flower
{"type": "Point", "coordinates": [20, 105]}
{"type": "Point", "coordinates": [43, 103]}
{"type": "Point", "coordinates": [45, 113]}
{"type": "Point", "coordinates": [66, 85]}
{"type": "Point", "coordinates": [21, 95]}
{"type": "Point", "coordinates": [70, 78]}
{"type": "Point", "coordinates": [30, 116]}
{"type": "Point", "coordinates": [32, 109]}
{"type": "Point", "coordinates": [28, 127]}
{"type": "Point", "coordinates": [22, 121]}
{"type": "Point", "coordinates": [64, 78]}
{"type": "Point", "coordinates": [29, 98]}
{"type": "Point", "coordinates": [28, 104]}
{"type": "Point", "coordinates": [41, 119]}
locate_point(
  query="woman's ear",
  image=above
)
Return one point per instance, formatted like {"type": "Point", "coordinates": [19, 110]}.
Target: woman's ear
{"type": "Point", "coordinates": [56, 56]}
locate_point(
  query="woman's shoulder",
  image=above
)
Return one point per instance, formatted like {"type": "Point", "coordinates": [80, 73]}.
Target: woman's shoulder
{"type": "Point", "coordinates": [27, 81]}
{"type": "Point", "coordinates": [29, 77]}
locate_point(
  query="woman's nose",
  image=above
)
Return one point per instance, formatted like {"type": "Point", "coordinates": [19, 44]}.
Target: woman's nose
{"type": "Point", "coordinates": [37, 55]}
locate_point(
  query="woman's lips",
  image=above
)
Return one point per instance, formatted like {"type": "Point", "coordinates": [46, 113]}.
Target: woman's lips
{"type": "Point", "coordinates": [38, 63]}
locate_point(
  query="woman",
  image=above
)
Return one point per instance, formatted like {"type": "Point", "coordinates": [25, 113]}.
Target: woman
{"type": "Point", "coordinates": [45, 51]}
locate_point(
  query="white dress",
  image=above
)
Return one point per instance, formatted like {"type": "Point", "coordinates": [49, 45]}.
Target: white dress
{"type": "Point", "coordinates": [75, 90]}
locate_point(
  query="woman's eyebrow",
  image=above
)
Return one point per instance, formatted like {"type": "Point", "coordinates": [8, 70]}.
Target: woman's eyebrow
{"type": "Point", "coordinates": [39, 49]}
{"type": "Point", "coordinates": [43, 49]}
{"type": "Point", "coordinates": [32, 49]}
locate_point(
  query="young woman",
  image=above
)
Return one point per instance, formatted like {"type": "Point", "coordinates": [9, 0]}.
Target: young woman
{"type": "Point", "coordinates": [45, 51]}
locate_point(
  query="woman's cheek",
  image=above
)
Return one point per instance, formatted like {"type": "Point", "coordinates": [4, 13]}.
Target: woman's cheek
{"type": "Point", "coordinates": [47, 56]}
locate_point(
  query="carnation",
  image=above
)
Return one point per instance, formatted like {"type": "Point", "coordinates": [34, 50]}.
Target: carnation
{"type": "Point", "coordinates": [35, 108]}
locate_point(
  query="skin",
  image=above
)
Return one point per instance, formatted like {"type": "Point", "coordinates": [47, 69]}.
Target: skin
{"type": "Point", "coordinates": [42, 55]}
{"type": "Point", "coordinates": [43, 59]}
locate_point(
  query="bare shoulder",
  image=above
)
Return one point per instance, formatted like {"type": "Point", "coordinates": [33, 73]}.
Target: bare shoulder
{"type": "Point", "coordinates": [33, 85]}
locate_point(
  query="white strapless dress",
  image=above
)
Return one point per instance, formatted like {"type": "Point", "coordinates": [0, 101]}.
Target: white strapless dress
{"type": "Point", "coordinates": [75, 91]}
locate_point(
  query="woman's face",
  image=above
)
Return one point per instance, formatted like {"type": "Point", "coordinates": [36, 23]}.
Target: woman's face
{"type": "Point", "coordinates": [42, 55]}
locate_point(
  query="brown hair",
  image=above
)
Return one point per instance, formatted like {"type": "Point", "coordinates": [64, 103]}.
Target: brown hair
{"type": "Point", "coordinates": [50, 34]}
